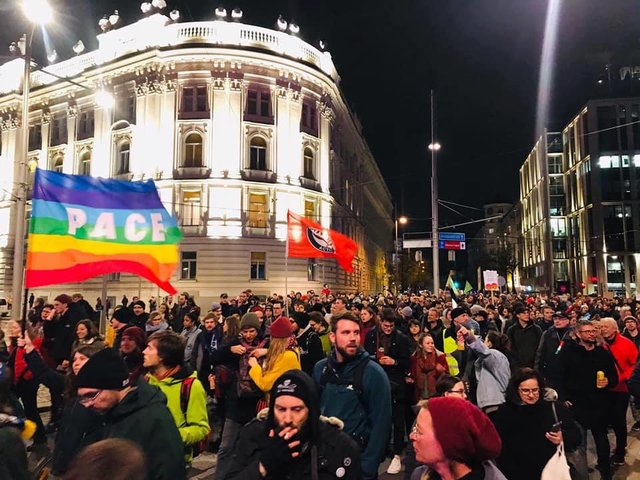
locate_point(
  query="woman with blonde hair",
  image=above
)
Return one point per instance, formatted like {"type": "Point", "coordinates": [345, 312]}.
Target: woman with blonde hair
{"type": "Point", "coordinates": [281, 356]}
{"type": "Point", "coordinates": [427, 365]}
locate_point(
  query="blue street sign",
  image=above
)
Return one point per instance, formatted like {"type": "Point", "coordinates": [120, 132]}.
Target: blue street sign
{"type": "Point", "coordinates": [456, 237]}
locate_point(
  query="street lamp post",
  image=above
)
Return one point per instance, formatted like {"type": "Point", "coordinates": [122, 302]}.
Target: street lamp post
{"type": "Point", "coordinates": [402, 221]}
{"type": "Point", "coordinates": [37, 12]}
{"type": "Point", "coordinates": [434, 146]}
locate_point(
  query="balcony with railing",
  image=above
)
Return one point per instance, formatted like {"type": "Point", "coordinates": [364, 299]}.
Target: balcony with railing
{"type": "Point", "coordinates": [158, 31]}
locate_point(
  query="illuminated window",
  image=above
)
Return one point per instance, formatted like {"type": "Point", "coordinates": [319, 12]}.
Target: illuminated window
{"type": "Point", "coordinates": [609, 161]}
{"type": "Point", "coordinates": [258, 210]}
{"type": "Point", "coordinates": [309, 164]}
{"type": "Point", "coordinates": [84, 163]}
{"type": "Point", "coordinates": [258, 154]}
{"type": "Point", "coordinates": [191, 208]}
{"type": "Point", "coordinates": [193, 151]}
{"type": "Point", "coordinates": [312, 270]}
{"type": "Point", "coordinates": [122, 158]}
{"type": "Point", "coordinates": [309, 209]}
{"type": "Point", "coordinates": [188, 265]}
{"type": "Point", "coordinates": [258, 266]}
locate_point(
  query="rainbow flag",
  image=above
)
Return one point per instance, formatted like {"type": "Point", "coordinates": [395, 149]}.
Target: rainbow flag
{"type": "Point", "coordinates": [82, 227]}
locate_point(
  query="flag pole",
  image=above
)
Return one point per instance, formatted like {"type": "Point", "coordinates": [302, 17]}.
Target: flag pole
{"type": "Point", "coordinates": [286, 272]}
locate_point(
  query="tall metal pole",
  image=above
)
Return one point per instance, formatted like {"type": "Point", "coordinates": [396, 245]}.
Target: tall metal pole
{"type": "Point", "coordinates": [396, 257]}
{"type": "Point", "coordinates": [434, 199]}
{"type": "Point", "coordinates": [21, 201]}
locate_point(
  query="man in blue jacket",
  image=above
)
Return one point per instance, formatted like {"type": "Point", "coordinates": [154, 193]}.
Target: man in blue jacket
{"type": "Point", "coordinates": [356, 390]}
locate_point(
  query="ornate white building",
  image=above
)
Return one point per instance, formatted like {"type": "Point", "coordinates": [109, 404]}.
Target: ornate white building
{"type": "Point", "coordinates": [235, 123]}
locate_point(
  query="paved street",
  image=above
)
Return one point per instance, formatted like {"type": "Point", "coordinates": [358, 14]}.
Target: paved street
{"type": "Point", "coordinates": [204, 465]}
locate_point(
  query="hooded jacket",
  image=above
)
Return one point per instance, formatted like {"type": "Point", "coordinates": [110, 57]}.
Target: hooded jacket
{"type": "Point", "coordinates": [338, 456]}
{"type": "Point", "coordinates": [142, 417]}
{"type": "Point", "coordinates": [366, 417]}
{"type": "Point", "coordinates": [492, 373]}
{"type": "Point", "coordinates": [194, 426]}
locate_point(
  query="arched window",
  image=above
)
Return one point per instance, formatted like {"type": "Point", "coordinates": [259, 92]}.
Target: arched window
{"type": "Point", "coordinates": [193, 151]}
{"type": "Point", "coordinates": [58, 164]}
{"type": "Point", "coordinates": [84, 163]}
{"type": "Point", "coordinates": [309, 164]}
{"type": "Point", "coordinates": [122, 158]}
{"type": "Point", "coordinates": [258, 154]}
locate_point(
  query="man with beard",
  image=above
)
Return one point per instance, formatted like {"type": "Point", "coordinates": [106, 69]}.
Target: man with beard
{"type": "Point", "coordinates": [179, 310]}
{"type": "Point", "coordinates": [292, 441]}
{"type": "Point", "coordinates": [587, 370]}
{"type": "Point", "coordinates": [357, 391]}
{"type": "Point", "coordinates": [140, 317]}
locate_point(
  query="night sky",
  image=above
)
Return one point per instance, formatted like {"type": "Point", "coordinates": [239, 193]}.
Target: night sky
{"type": "Point", "coordinates": [481, 56]}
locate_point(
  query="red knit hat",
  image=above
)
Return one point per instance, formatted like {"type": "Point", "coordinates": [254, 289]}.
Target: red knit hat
{"type": "Point", "coordinates": [137, 335]}
{"type": "Point", "coordinates": [257, 308]}
{"type": "Point", "coordinates": [281, 328]}
{"type": "Point", "coordinates": [463, 430]}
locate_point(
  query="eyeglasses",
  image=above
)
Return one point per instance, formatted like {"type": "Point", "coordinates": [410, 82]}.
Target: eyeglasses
{"type": "Point", "coordinates": [529, 391]}
{"type": "Point", "coordinates": [89, 398]}
{"type": "Point", "coordinates": [461, 391]}
{"type": "Point", "coordinates": [415, 431]}
{"type": "Point", "coordinates": [587, 332]}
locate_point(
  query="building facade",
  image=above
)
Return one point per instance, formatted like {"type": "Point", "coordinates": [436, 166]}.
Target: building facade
{"type": "Point", "coordinates": [581, 202]}
{"type": "Point", "coordinates": [236, 124]}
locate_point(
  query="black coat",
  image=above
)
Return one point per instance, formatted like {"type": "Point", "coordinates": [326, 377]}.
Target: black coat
{"type": "Point", "coordinates": [338, 456]}
{"type": "Point", "coordinates": [310, 350]}
{"type": "Point", "coordinates": [579, 368]}
{"type": "Point", "coordinates": [522, 428]}
{"type": "Point", "coordinates": [548, 357]}
{"type": "Point", "coordinates": [398, 350]}
{"type": "Point", "coordinates": [60, 333]}
{"type": "Point", "coordinates": [524, 343]}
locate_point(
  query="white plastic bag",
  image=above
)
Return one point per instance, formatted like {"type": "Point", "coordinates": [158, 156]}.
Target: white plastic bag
{"type": "Point", "coordinates": [557, 467]}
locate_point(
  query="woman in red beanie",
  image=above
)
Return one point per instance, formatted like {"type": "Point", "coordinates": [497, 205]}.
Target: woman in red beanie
{"type": "Point", "coordinates": [456, 440]}
{"type": "Point", "coordinates": [283, 355]}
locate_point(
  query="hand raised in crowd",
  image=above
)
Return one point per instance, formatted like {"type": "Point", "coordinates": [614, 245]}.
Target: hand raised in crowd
{"type": "Point", "coordinates": [278, 451]}
{"type": "Point", "coordinates": [24, 341]}
{"type": "Point", "coordinates": [238, 350]}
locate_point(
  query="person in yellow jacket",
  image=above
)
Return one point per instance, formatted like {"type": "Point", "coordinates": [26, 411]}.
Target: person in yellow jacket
{"type": "Point", "coordinates": [282, 355]}
{"type": "Point", "coordinates": [186, 397]}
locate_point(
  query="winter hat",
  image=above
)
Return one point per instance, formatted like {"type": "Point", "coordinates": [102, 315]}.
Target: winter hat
{"type": "Point", "coordinates": [519, 308]}
{"type": "Point", "coordinates": [475, 309]}
{"type": "Point", "coordinates": [301, 318]}
{"type": "Point", "coordinates": [463, 430]}
{"type": "Point", "coordinates": [630, 317]}
{"type": "Point", "coordinates": [104, 371]}
{"type": "Point", "coordinates": [123, 315]}
{"type": "Point", "coordinates": [281, 328]}
{"type": "Point", "coordinates": [407, 312]}
{"type": "Point", "coordinates": [139, 302]}
{"type": "Point", "coordinates": [296, 383]}
{"type": "Point", "coordinates": [456, 312]}
{"type": "Point", "coordinates": [249, 320]}
{"type": "Point", "coordinates": [137, 335]}
{"type": "Point", "coordinates": [215, 306]}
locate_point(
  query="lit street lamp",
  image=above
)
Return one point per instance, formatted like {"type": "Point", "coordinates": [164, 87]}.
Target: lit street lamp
{"type": "Point", "coordinates": [38, 12]}
{"type": "Point", "coordinates": [402, 221]}
{"type": "Point", "coordinates": [434, 147]}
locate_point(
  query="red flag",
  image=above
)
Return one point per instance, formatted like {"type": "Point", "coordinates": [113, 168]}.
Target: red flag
{"type": "Point", "coordinates": [308, 239]}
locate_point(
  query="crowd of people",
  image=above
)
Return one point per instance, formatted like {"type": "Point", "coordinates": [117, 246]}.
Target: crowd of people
{"type": "Point", "coordinates": [325, 386]}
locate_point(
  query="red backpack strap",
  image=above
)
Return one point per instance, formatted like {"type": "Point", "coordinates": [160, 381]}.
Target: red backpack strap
{"type": "Point", "coordinates": [185, 393]}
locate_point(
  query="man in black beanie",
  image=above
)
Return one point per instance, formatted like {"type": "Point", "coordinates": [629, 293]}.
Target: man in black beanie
{"type": "Point", "coordinates": [293, 441]}
{"type": "Point", "coordinates": [308, 340]}
{"type": "Point", "coordinates": [134, 412]}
